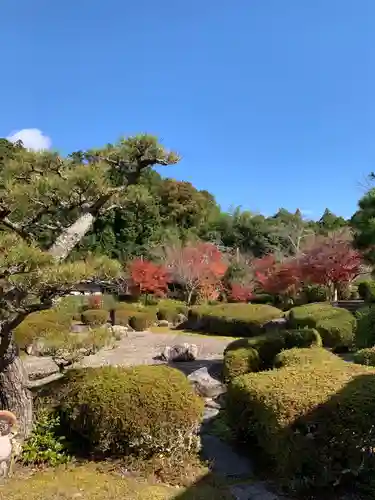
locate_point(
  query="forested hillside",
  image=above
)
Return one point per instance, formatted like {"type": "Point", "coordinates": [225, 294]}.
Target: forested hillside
{"type": "Point", "coordinates": [159, 210]}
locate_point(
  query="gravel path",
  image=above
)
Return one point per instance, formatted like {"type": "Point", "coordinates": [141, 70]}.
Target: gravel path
{"type": "Point", "coordinates": [136, 349]}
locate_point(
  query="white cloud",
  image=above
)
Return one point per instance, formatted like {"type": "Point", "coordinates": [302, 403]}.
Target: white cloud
{"type": "Point", "coordinates": [32, 138]}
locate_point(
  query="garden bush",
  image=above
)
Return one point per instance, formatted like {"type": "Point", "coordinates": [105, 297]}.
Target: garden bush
{"type": "Point", "coordinates": [72, 347]}
{"type": "Point", "coordinates": [240, 361]}
{"type": "Point", "coordinates": [366, 290]}
{"type": "Point", "coordinates": [313, 422]}
{"type": "Point", "coordinates": [267, 346]}
{"type": "Point", "coordinates": [335, 325]}
{"type": "Point", "coordinates": [142, 410]}
{"type": "Point", "coordinates": [71, 305]}
{"type": "Point", "coordinates": [41, 324]}
{"type": "Point", "coordinates": [315, 293]}
{"type": "Point", "coordinates": [365, 332]}
{"type": "Point", "coordinates": [307, 355]}
{"type": "Point", "coordinates": [121, 317]}
{"type": "Point", "coordinates": [237, 320]}
{"type": "Point", "coordinates": [45, 446]}
{"type": "Point", "coordinates": [365, 356]}
{"type": "Point", "coordinates": [141, 321]}
{"type": "Point", "coordinates": [168, 314]}
{"type": "Point", "coordinates": [263, 299]}
{"type": "Point", "coordinates": [95, 317]}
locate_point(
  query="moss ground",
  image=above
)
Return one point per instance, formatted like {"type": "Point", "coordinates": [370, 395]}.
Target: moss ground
{"type": "Point", "coordinates": [94, 482]}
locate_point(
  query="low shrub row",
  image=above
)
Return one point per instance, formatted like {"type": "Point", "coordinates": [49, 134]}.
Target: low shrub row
{"type": "Point", "coordinates": [312, 419]}
{"type": "Point", "coordinates": [236, 320]}
{"type": "Point", "coordinates": [336, 326]}
{"type": "Point", "coordinates": [259, 353]}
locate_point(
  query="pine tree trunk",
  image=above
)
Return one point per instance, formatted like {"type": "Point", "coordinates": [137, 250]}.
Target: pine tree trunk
{"type": "Point", "coordinates": [14, 394]}
{"type": "Point", "coordinates": [71, 236]}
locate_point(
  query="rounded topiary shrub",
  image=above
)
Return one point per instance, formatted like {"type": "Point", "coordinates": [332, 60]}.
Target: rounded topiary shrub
{"type": "Point", "coordinates": [365, 332]}
{"type": "Point", "coordinates": [141, 321]}
{"type": "Point", "coordinates": [336, 326]}
{"type": "Point", "coordinates": [239, 362]}
{"type": "Point", "coordinates": [365, 356]}
{"type": "Point", "coordinates": [95, 317]}
{"type": "Point", "coordinates": [169, 314]}
{"type": "Point", "coordinates": [40, 325]}
{"type": "Point", "coordinates": [305, 356]}
{"type": "Point", "coordinates": [142, 410]}
{"type": "Point", "coordinates": [312, 422]}
{"type": "Point", "coordinates": [302, 338]}
{"type": "Point", "coordinates": [366, 290]}
{"type": "Point", "coordinates": [237, 320]}
{"type": "Point", "coordinates": [269, 345]}
{"type": "Point", "coordinates": [121, 317]}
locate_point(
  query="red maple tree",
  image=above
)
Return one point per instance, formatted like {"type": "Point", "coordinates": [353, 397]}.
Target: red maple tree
{"type": "Point", "coordinates": [198, 268]}
{"type": "Point", "coordinates": [150, 278]}
{"type": "Point", "coordinates": [278, 278]}
{"type": "Point", "coordinates": [239, 293]}
{"type": "Point", "coordinates": [331, 261]}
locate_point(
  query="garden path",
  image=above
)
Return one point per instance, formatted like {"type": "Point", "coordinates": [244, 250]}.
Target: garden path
{"type": "Point", "coordinates": [135, 349]}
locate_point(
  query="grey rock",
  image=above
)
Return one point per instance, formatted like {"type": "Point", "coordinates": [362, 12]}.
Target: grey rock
{"type": "Point", "coordinates": [210, 403]}
{"type": "Point", "coordinates": [37, 348]}
{"type": "Point", "coordinates": [78, 328]}
{"type": "Point", "coordinates": [119, 331]}
{"type": "Point", "coordinates": [29, 349]}
{"type": "Point", "coordinates": [184, 352]}
{"type": "Point", "coordinates": [163, 322]}
{"type": "Point", "coordinates": [181, 318]}
{"type": "Point", "coordinates": [205, 385]}
{"type": "Point", "coordinates": [40, 367]}
{"type": "Point", "coordinates": [209, 414]}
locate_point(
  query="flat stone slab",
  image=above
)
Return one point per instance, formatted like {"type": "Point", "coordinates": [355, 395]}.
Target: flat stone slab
{"type": "Point", "coordinates": [39, 367]}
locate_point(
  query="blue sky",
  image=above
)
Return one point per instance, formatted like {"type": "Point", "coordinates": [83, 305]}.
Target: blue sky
{"type": "Point", "coordinates": [270, 102]}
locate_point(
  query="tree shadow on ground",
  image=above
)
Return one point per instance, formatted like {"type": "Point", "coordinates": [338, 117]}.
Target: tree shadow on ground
{"type": "Point", "coordinates": [210, 487]}
{"type": "Point", "coordinates": [214, 366]}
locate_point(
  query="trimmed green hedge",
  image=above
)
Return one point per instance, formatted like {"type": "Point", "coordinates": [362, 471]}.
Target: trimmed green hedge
{"type": "Point", "coordinates": [38, 325]}
{"type": "Point", "coordinates": [366, 290]}
{"type": "Point", "coordinates": [335, 325]}
{"type": "Point", "coordinates": [305, 356]}
{"type": "Point", "coordinates": [141, 321]}
{"type": "Point", "coordinates": [365, 356]}
{"type": "Point", "coordinates": [267, 347]}
{"type": "Point", "coordinates": [144, 410]}
{"type": "Point", "coordinates": [121, 317]}
{"type": "Point", "coordinates": [236, 320]}
{"type": "Point", "coordinates": [312, 422]}
{"type": "Point", "coordinates": [365, 333]}
{"type": "Point", "coordinates": [240, 361]}
{"type": "Point", "coordinates": [95, 317]}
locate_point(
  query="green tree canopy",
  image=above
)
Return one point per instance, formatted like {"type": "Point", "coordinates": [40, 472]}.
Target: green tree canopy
{"type": "Point", "coordinates": [43, 194]}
